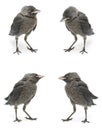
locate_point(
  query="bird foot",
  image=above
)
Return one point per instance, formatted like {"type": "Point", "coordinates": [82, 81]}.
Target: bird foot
{"type": "Point", "coordinates": [30, 118]}
{"type": "Point", "coordinates": [17, 51]}
{"type": "Point", "coordinates": [18, 120]}
{"type": "Point", "coordinates": [68, 119]}
{"type": "Point", "coordinates": [69, 49]}
{"type": "Point", "coordinates": [84, 121]}
{"type": "Point", "coordinates": [83, 51]}
{"type": "Point", "coordinates": [32, 50]}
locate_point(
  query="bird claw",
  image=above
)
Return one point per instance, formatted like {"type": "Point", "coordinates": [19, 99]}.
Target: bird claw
{"type": "Point", "coordinates": [18, 120]}
{"type": "Point", "coordinates": [83, 51]}
{"type": "Point", "coordinates": [84, 121]}
{"type": "Point", "coordinates": [69, 49]}
{"type": "Point", "coordinates": [68, 119]}
{"type": "Point", "coordinates": [32, 50]}
{"type": "Point", "coordinates": [30, 118]}
{"type": "Point", "coordinates": [17, 51]}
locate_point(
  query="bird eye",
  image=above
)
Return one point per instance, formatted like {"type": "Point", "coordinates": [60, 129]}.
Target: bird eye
{"type": "Point", "coordinates": [35, 75]}
{"type": "Point", "coordinates": [32, 11]}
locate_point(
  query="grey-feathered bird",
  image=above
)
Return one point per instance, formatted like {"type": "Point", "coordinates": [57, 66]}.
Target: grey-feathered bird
{"type": "Point", "coordinates": [23, 92]}
{"type": "Point", "coordinates": [78, 93]}
{"type": "Point", "coordinates": [77, 23]}
{"type": "Point", "coordinates": [24, 23]}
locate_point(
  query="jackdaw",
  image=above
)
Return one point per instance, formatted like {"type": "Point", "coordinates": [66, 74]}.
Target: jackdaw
{"type": "Point", "coordinates": [23, 91]}
{"type": "Point", "coordinates": [78, 93]}
{"type": "Point", "coordinates": [77, 23]}
{"type": "Point", "coordinates": [24, 23]}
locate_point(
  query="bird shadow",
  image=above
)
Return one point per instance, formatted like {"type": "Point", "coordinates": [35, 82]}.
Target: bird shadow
{"type": "Point", "coordinates": [21, 45]}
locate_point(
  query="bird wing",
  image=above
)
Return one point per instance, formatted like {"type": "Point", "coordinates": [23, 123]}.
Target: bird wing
{"type": "Point", "coordinates": [19, 84]}
{"type": "Point", "coordinates": [34, 27]}
{"type": "Point", "coordinates": [85, 25]}
{"type": "Point", "coordinates": [14, 95]}
{"type": "Point", "coordinates": [84, 88]}
{"type": "Point", "coordinates": [15, 27]}
{"type": "Point", "coordinates": [81, 83]}
{"type": "Point", "coordinates": [87, 95]}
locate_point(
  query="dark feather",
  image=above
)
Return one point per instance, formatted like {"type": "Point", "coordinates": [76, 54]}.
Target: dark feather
{"type": "Point", "coordinates": [87, 95]}
{"type": "Point", "coordinates": [6, 98]}
{"type": "Point", "coordinates": [85, 88]}
{"type": "Point", "coordinates": [14, 95]}
{"type": "Point", "coordinates": [85, 25]}
{"type": "Point", "coordinates": [15, 27]}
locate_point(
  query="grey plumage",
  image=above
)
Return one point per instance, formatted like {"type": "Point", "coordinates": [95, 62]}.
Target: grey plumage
{"type": "Point", "coordinates": [24, 23]}
{"type": "Point", "coordinates": [23, 92]}
{"type": "Point", "coordinates": [77, 23]}
{"type": "Point", "coordinates": [78, 93]}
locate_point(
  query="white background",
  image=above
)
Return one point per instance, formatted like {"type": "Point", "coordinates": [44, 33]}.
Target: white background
{"type": "Point", "coordinates": [50, 104]}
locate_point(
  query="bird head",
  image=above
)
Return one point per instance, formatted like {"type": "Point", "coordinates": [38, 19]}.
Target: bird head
{"type": "Point", "coordinates": [70, 77]}
{"type": "Point", "coordinates": [33, 77]}
{"type": "Point", "coordinates": [29, 11]}
{"type": "Point", "coordinates": [69, 13]}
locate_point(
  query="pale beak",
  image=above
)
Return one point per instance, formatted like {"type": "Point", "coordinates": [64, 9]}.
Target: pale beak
{"type": "Point", "coordinates": [64, 19]}
{"type": "Point", "coordinates": [62, 78]}
{"type": "Point", "coordinates": [39, 76]}
{"type": "Point", "coordinates": [36, 11]}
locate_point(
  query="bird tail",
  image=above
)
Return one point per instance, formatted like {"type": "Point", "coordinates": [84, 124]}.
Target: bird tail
{"type": "Point", "coordinates": [6, 98]}
{"type": "Point", "coordinates": [90, 32]}
{"type": "Point", "coordinates": [7, 103]}
{"type": "Point", "coordinates": [93, 96]}
{"type": "Point", "coordinates": [93, 104]}
{"type": "Point", "coordinates": [11, 33]}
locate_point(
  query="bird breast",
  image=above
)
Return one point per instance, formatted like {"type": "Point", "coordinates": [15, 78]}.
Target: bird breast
{"type": "Point", "coordinates": [28, 25]}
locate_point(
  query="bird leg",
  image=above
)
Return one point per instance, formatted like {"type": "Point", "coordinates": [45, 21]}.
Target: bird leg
{"type": "Point", "coordinates": [71, 47]}
{"type": "Point", "coordinates": [29, 117]}
{"type": "Point", "coordinates": [16, 119]}
{"type": "Point", "coordinates": [83, 50]}
{"type": "Point", "coordinates": [85, 120]}
{"type": "Point", "coordinates": [29, 48]}
{"type": "Point", "coordinates": [74, 110]}
{"type": "Point", "coordinates": [17, 49]}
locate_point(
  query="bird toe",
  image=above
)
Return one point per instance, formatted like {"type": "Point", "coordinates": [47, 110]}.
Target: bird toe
{"type": "Point", "coordinates": [68, 119]}
{"type": "Point", "coordinates": [32, 50]}
{"type": "Point", "coordinates": [69, 49]}
{"type": "Point", "coordinates": [84, 121]}
{"type": "Point", "coordinates": [30, 118]}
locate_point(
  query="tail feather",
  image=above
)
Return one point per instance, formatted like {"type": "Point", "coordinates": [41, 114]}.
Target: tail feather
{"type": "Point", "coordinates": [10, 33]}
{"type": "Point", "coordinates": [6, 103]}
{"type": "Point", "coordinates": [6, 98]}
{"type": "Point", "coordinates": [93, 96]}
{"type": "Point", "coordinates": [93, 104]}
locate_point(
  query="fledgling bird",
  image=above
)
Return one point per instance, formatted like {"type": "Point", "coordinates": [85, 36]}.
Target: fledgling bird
{"type": "Point", "coordinates": [78, 93]}
{"type": "Point", "coordinates": [77, 23]}
{"type": "Point", "coordinates": [22, 93]}
{"type": "Point", "coordinates": [24, 23]}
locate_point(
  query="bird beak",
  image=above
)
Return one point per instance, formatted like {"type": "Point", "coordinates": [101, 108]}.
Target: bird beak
{"type": "Point", "coordinates": [62, 78]}
{"type": "Point", "coordinates": [36, 11]}
{"type": "Point", "coordinates": [64, 19]}
{"type": "Point", "coordinates": [40, 76]}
